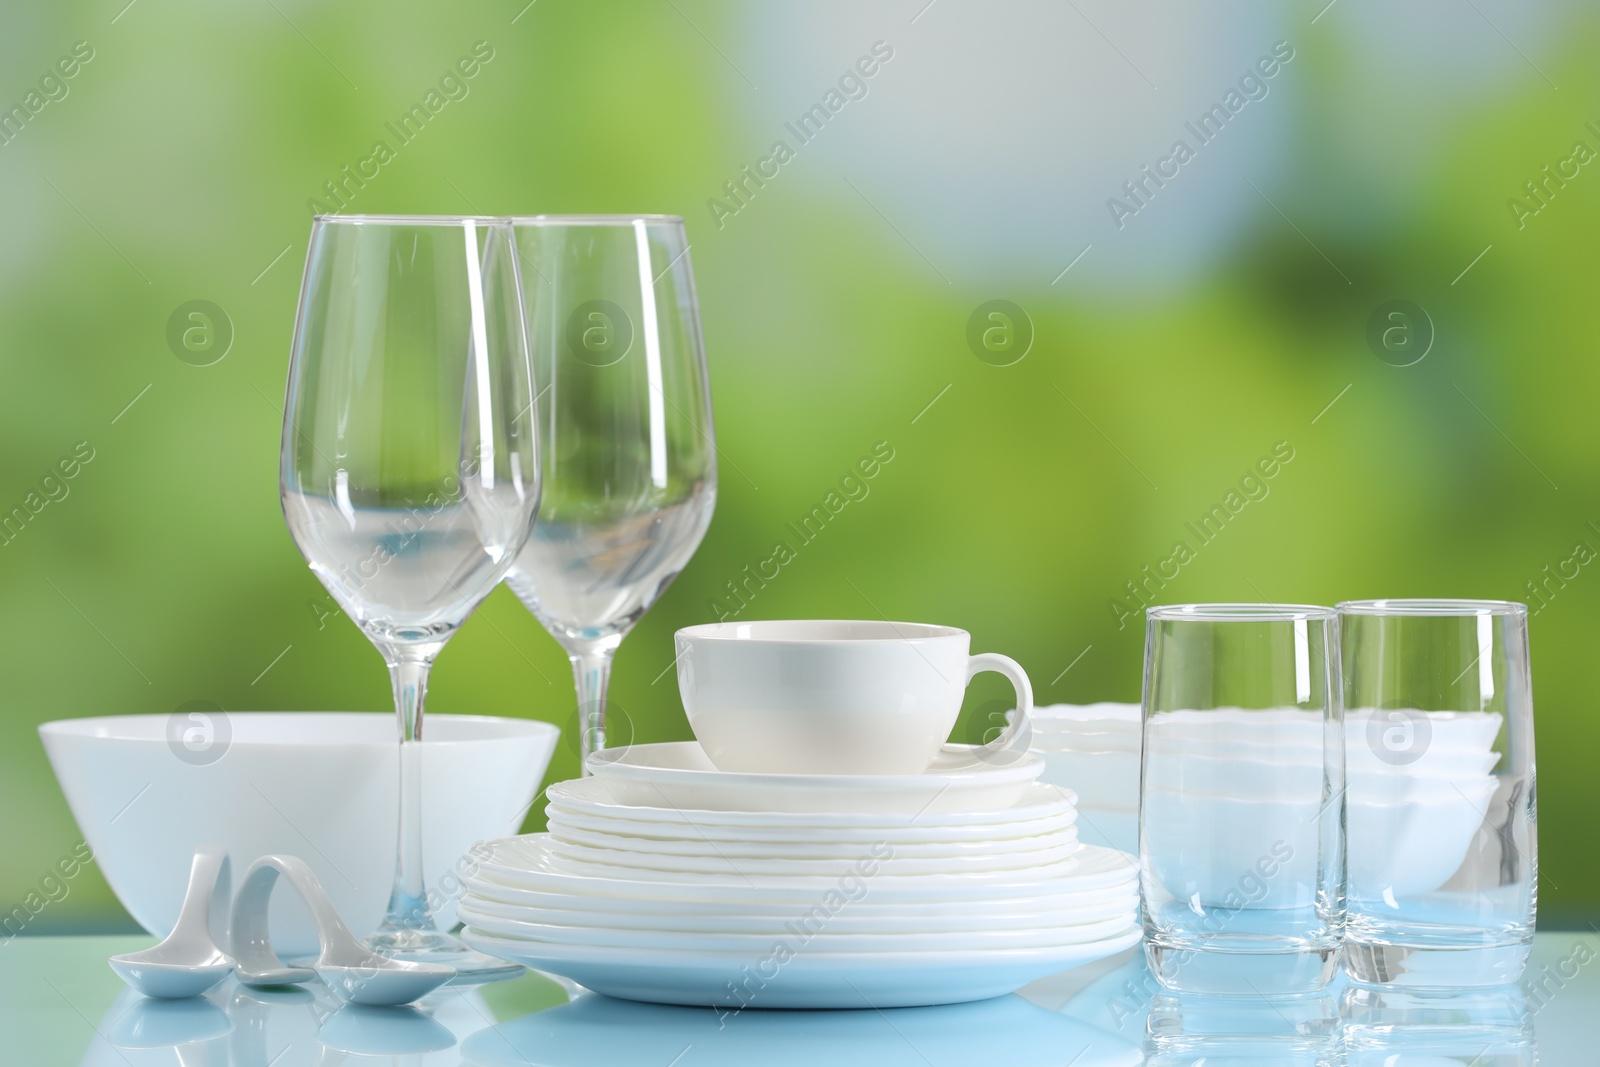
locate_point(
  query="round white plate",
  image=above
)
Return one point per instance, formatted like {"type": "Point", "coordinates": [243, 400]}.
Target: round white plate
{"type": "Point", "coordinates": [613, 910]}
{"type": "Point", "coordinates": [801, 979]}
{"type": "Point", "coordinates": [819, 936]}
{"type": "Point", "coordinates": [678, 774]}
{"type": "Point", "coordinates": [589, 803]}
{"type": "Point", "coordinates": [711, 862]}
{"type": "Point", "coordinates": [860, 916]}
{"type": "Point", "coordinates": [881, 876]}
{"type": "Point", "coordinates": [526, 863]}
{"type": "Point", "coordinates": [753, 845]}
{"type": "Point", "coordinates": [596, 798]}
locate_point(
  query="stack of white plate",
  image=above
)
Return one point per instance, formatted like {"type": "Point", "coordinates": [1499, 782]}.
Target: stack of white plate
{"type": "Point", "coordinates": [1093, 749]}
{"type": "Point", "coordinates": [784, 891]}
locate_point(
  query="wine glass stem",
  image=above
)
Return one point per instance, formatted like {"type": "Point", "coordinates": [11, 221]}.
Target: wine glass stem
{"type": "Point", "coordinates": [408, 904]}
{"type": "Point", "coordinates": [591, 672]}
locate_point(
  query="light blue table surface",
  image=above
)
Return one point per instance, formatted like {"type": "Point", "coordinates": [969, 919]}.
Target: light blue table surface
{"type": "Point", "coordinates": [60, 1004]}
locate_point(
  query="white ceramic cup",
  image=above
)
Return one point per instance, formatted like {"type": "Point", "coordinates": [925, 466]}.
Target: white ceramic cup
{"type": "Point", "coordinates": [834, 697]}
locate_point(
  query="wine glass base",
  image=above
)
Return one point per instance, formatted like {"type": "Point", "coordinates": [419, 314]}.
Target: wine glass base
{"type": "Point", "coordinates": [431, 946]}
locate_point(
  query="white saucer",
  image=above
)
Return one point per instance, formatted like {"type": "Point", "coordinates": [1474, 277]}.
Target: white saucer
{"type": "Point", "coordinates": [678, 774]}
{"type": "Point", "coordinates": [576, 896]}
{"type": "Point", "coordinates": [804, 979]}
{"type": "Point", "coordinates": [1040, 808]}
{"type": "Point", "coordinates": [527, 863]}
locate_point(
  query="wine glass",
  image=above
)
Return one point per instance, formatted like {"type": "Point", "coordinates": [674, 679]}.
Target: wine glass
{"type": "Point", "coordinates": [410, 466]}
{"type": "Point", "coordinates": [630, 469]}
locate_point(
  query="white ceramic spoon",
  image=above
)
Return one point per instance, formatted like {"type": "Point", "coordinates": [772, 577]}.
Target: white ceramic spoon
{"type": "Point", "coordinates": [189, 961]}
{"type": "Point", "coordinates": [347, 967]}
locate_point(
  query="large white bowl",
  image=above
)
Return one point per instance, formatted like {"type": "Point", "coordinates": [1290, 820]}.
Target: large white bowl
{"type": "Point", "coordinates": [318, 785]}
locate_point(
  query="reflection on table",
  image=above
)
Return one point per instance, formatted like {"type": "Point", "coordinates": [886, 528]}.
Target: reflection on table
{"type": "Point", "coordinates": [1111, 1013]}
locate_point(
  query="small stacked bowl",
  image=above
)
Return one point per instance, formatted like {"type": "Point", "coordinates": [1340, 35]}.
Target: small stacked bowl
{"type": "Point", "coordinates": [1093, 749]}
{"type": "Point", "coordinates": [1413, 809]}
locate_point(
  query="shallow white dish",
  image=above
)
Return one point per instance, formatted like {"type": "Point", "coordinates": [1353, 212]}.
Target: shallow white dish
{"type": "Point", "coordinates": [596, 798]}
{"type": "Point", "coordinates": [803, 979]}
{"type": "Point", "coordinates": [319, 785]}
{"type": "Point", "coordinates": [1103, 716]}
{"type": "Point", "coordinates": [564, 830]}
{"type": "Point", "coordinates": [859, 916]}
{"type": "Point", "coordinates": [819, 937]}
{"type": "Point", "coordinates": [892, 864]}
{"type": "Point", "coordinates": [526, 863]}
{"type": "Point", "coordinates": [614, 910]}
{"type": "Point", "coordinates": [1431, 762]}
{"type": "Point", "coordinates": [1474, 731]}
{"type": "Point", "coordinates": [820, 882]}
{"type": "Point", "coordinates": [678, 774]}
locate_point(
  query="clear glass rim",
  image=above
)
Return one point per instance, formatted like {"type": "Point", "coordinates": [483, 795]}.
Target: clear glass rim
{"type": "Point", "coordinates": [1240, 612]}
{"type": "Point", "coordinates": [593, 220]}
{"type": "Point", "coordinates": [403, 220]}
{"type": "Point", "coordinates": [1426, 606]}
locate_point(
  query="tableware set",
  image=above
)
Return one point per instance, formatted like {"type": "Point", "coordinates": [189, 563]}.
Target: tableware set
{"type": "Point", "coordinates": [472, 400]}
{"type": "Point", "coordinates": [1281, 833]}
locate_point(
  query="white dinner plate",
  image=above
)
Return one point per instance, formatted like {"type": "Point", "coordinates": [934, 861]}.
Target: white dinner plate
{"type": "Point", "coordinates": [588, 802]}
{"type": "Point", "coordinates": [711, 862]}
{"type": "Point", "coordinates": [819, 936]}
{"type": "Point", "coordinates": [526, 862]}
{"type": "Point", "coordinates": [596, 798]}
{"type": "Point", "coordinates": [678, 774]}
{"type": "Point", "coordinates": [861, 916]}
{"type": "Point", "coordinates": [689, 841]}
{"type": "Point", "coordinates": [816, 884]}
{"type": "Point", "coordinates": [611, 910]}
{"type": "Point", "coordinates": [803, 979]}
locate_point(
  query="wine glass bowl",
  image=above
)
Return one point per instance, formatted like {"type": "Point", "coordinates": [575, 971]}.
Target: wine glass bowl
{"type": "Point", "coordinates": [629, 459]}
{"type": "Point", "coordinates": [410, 468]}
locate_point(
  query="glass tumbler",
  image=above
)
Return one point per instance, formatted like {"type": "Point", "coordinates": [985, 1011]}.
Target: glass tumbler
{"type": "Point", "coordinates": [1442, 822]}
{"type": "Point", "coordinates": [1241, 818]}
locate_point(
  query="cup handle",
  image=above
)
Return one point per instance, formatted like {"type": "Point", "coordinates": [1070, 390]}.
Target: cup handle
{"type": "Point", "coordinates": [1018, 737]}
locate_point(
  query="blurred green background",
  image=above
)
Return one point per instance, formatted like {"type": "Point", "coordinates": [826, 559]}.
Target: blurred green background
{"type": "Point", "coordinates": [1226, 317]}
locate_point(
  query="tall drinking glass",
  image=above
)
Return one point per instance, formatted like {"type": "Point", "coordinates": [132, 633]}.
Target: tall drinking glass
{"type": "Point", "coordinates": [1442, 818]}
{"type": "Point", "coordinates": [1241, 800]}
{"type": "Point", "coordinates": [630, 468]}
{"type": "Point", "coordinates": [410, 466]}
